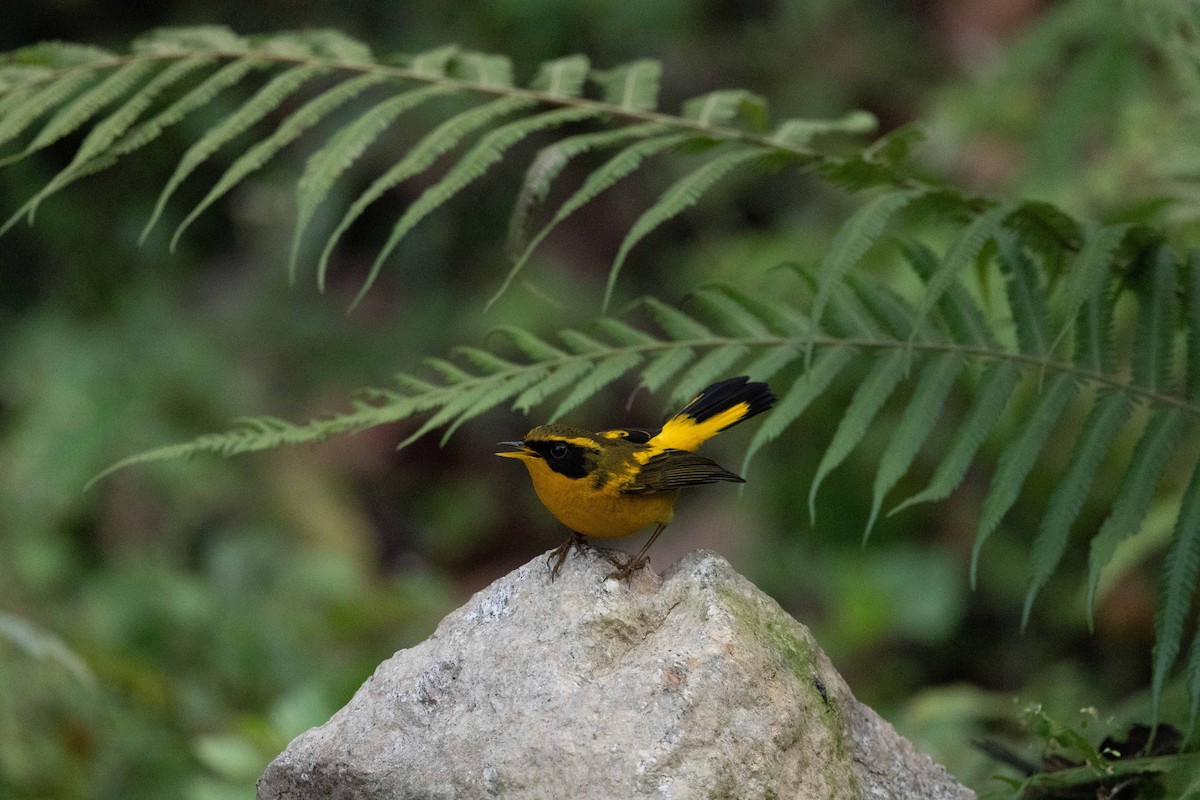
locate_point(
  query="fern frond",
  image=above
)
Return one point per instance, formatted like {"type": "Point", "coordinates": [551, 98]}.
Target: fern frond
{"type": "Point", "coordinates": [1181, 567]}
{"type": "Point", "coordinates": [288, 131]}
{"type": "Point", "coordinates": [263, 102]}
{"type": "Point", "coordinates": [1160, 439]}
{"type": "Point", "coordinates": [870, 396]}
{"type": "Point", "coordinates": [920, 417]}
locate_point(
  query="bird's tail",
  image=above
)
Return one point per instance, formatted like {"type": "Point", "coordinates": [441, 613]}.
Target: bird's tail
{"type": "Point", "coordinates": [718, 407]}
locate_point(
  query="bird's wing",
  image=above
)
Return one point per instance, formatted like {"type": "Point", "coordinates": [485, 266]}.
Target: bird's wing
{"type": "Point", "coordinates": [674, 469]}
{"type": "Point", "coordinates": [718, 407]}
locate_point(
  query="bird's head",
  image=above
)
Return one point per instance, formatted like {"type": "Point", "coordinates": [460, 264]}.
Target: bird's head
{"type": "Point", "coordinates": [571, 452]}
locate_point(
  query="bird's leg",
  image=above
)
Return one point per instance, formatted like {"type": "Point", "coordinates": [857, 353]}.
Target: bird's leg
{"type": "Point", "coordinates": [561, 553]}
{"type": "Point", "coordinates": [623, 572]}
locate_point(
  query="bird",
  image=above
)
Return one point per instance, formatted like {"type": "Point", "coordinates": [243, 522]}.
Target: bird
{"type": "Point", "coordinates": [614, 483]}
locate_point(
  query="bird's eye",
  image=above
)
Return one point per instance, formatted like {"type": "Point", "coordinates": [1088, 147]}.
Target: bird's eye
{"type": "Point", "coordinates": [559, 451]}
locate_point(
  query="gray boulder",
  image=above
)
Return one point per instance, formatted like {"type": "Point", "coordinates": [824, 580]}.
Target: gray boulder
{"type": "Point", "coordinates": [692, 685]}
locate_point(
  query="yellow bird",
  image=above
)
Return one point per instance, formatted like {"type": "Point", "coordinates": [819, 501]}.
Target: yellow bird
{"type": "Point", "coordinates": [616, 482]}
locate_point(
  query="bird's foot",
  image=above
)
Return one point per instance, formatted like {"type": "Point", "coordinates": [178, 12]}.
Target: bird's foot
{"type": "Point", "coordinates": [624, 571]}
{"type": "Point", "coordinates": [559, 556]}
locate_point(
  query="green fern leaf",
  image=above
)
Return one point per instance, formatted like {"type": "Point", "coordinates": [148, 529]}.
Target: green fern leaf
{"type": "Point", "coordinates": [190, 39]}
{"type": "Point", "coordinates": [547, 165]}
{"type": "Point", "coordinates": [605, 372]}
{"type": "Point", "coordinates": [771, 362]}
{"type": "Point", "coordinates": [489, 151]}
{"type": "Point", "coordinates": [566, 375]}
{"type": "Point", "coordinates": [288, 131]}
{"type": "Point", "coordinates": [684, 193]}
{"type": "Point", "coordinates": [958, 310]}
{"type": "Point", "coordinates": [965, 249]}
{"type": "Point", "coordinates": [1193, 685]}
{"type": "Point", "coordinates": [731, 314]}
{"type": "Point", "coordinates": [665, 366]}
{"type": "Point", "coordinates": [1090, 267]}
{"type": "Point", "coordinates": [623, 334]}
{"type": "Point", "coordinates": [105, 133]}
{"type": "Point", "coordinates": [562, 77]}
{"type": "Point", "coordinates": [996, 387]}
{"type": "Point", "coordinates": [486, 69]}
{"type": "Point", "coordinates": [712, 365]}
{"type": "Point", "coordinates": [582, 344]}
{"type": "Point", "coordinates": [677, 324]}
{"type": "Point", "coordinates": [434, 63]}
{"type": "Point", "coordinates": [1026, 299]}
{"type": "Point", "coordinates": [889, 312]}
{"type": "Point", "coordinates": [1161, 438]}
{"type": "Point", "coordinates": [1152, 343]}
{"type": "Point", "coordinates": [77, 112]}
{"type": "Point", "coordinates": [266, 100]}
{"type": "Point", "coordinates": [725, 106]}
{"type": "Point", "coordinates": [335, 157]}
{"type": "Point", "coordinates": [619, 166]}
{"type": "Point", "coordinates": [632, 86]}
{"type": "Point", "coordinates": [870, 396]}
{"type": "Point", "coordinates": [1181, 566]}
{"type": "Point", "coordinates": [1018, 458]}
{"type": "Point", "coordinates": [1192, 309]}
{"type": "Point", "coordinates": [801, 132]}
{"type": "Point", "coordinates": [489, 363]}
{"type": "Point", "coordinates": [440, 140]}
{"type": "Point", "coordinates": [851, 243]}
{"type": "Point", "coordinates": [1106, 419]}
{"type": "Point", "coordinates": [453, 406]}
{"type": "Point", "coordinates": [31, 107]}
{"type": "Point", "coordinates": [493, 398]}
{"type": "Point", "coordinates": [529, 344]}
{"type": "Point", "coordinates": [779, 318]}
{"type": "Point", "coordinates": [804, 390]}
{"type": "Point", "coordinates": [918, 421]}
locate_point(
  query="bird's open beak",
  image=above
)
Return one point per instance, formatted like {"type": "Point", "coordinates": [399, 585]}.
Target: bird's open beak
{"type": "Point", "coordinates": [519, 450]}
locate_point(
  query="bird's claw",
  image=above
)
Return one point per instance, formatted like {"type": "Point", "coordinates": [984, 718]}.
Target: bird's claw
{"type": "Point", "coordinates": [624, 572]}
{"type": "Point", "coordinates": [560, 553]}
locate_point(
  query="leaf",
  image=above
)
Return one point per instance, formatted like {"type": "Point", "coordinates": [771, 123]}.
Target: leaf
{"type": "Point", "coordinates": [288, 131]}
{"type": "Point", "coordinates": [665, 366]}
{"type": "Point", "coordinates": [632, 86]}
{"type": "Point", "coordinates": [485, 69]}
{"type": "Point", "coordinates": [1152, 343]}
{"type": "Point", "coordinates": [1106, 419]}
{"type": "Point", "coordinates": [563, 77]}
{"type": "Point", "coordinates": [1193, 685]}
{"type": "Point", "coordinates": [725, 106]}
{"type": "Point", "coordinates": [996, 387]}
{"type": "Point", "coordinates": [440, 140]}
{"type": "Point", "coordinates": [851, 243]}
{"type": "Point", "coordinates": [489, 151]}
{"type": "Point", "coordinates": [770, 362]}
{"type": "Point", "coordinates": [85, 106]}
{"type": "Point", "coordinates": [918, 421]}
{"type": "Point", "coordinates": [332, 160]}
{"type": "Point", "coordinates": [1018, 458]}
{"type": "Point", "coordinates": [604, 373]}
{"type": "Point", "coordinates": [800, 132]}
{"type": "Point", "coordinates": [965, 249]}
{"type": "Point", "coordinates": [264, 101]}
{"type": "Point", "coordinates": [43, 645]}
{"type": "Point", "coordinates": [105, 133]}
{"type": "Point", "coordinates": [492, 398]}
{"type": "Point", "coordinates": [22, 115]}
{"type": "Point", "coordinates": [1179, 572]}
{"type": "Point", "coordinates": [731, 314]}
{"type": "Point", "coordinates": [619, 166]}
{"type": "Point", "coordinates": [684, 193]}
{"type": "Point", "coordinates": [677, 324]}
{"type": "Point", "coordinates": [1092, 266]}
{"type": "Point", "coordinates": [549, 163]}
{"type": "Point", "coordinates": [1160, 439]}
{"type": "Point", "coordinates": [711, 366]}
{"type": "Point", "coordinates": [804, 390]}
{"type": "Point", "coordinates": [1026, 299]}
{"type": "Point", "coordinates": [566, 375]}
{"type": "Point", "coordinates": [870, 396]}
{"type": "Point", "coordinates": [622, 333]}
{"type": "Point", "coordinates": [529, 344]}
{"type": "Point", "coordinates": [1192, 329]}
{"type": "Point", "coordinates": [960, 313]}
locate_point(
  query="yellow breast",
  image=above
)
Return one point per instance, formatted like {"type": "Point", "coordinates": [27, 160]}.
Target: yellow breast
{"type": "Point", "coordinates": [602, 512]}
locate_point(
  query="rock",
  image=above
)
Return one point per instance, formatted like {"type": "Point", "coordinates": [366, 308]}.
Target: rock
{"type": "Point", "coordinates": [695, 685]}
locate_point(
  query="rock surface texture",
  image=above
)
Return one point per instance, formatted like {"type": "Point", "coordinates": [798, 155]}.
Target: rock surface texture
{"type": "Point", "coordinates": [695, 685]}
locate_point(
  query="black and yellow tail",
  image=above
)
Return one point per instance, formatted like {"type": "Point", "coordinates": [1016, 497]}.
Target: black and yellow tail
{"type": "Point", "coordinates": [718, 407]}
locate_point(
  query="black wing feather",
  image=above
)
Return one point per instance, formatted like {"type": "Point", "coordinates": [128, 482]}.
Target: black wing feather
{"type": "Point", "coordinates": [674, 469]}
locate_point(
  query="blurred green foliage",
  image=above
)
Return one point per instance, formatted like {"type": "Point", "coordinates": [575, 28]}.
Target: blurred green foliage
{"type": "Point", "coordinates": [168, 632]}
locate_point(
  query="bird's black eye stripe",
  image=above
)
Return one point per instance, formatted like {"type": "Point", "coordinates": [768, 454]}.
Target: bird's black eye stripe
{"type": "Point", "coordinates": [564, 458]}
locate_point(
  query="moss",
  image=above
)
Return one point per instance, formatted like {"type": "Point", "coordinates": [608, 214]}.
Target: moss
{"type": "Point", "coordinates": [774, 628]}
